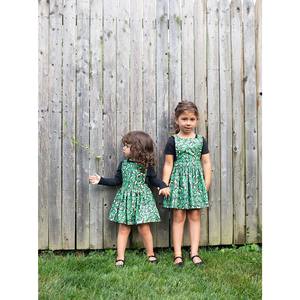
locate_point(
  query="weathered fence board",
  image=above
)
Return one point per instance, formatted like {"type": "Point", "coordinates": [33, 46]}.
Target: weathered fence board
{"type": "Point", "coordinates": [110, 124]}
{"type": "Point", "coordinates": [250, 120]}
{"type": "Point", "coordinates": [213, 120]}
{"type": "Point", "coordinates": [108, 67]}
{"type": "Point", "coordinates": [69, 95]}
{"type": "Point", "coordinates": [149, 46]}
{"type": "Point", "coordinates": [55, 107]}
{"type": "Point", "coordinates": [260, 75]}
{"type": "Point", "coordinates": [96, 165]}
{"type": "Point", "coordinates": [225, 124]}
{"type": "Point", "coordinates": [162, 98]}
{"type": "Point", "coordinates": [238, 147]}
{"type": "Point", "coordinates": [43, 124]}
{"type": "Point", "coordinates": [201, 93]}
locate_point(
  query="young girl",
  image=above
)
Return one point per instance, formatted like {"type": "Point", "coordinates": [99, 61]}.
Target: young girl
{"type": "Point", "coordinates": [134, 203]}
{"type": "Point", "coordinates": [188, 181]}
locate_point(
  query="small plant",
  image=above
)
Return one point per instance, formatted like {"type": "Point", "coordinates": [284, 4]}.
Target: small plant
{"type": "Point", "coordinates": [260, 227]}
{"type": "Point", "coordinates": [110, 252]}
{"type": "Point", "coordinates": [247, 236]}
{"type": "Point", "coordinates": [74, 141]}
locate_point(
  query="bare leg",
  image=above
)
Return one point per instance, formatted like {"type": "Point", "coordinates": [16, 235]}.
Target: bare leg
{"type": "Point", "coordinates": [145, 232]}
{"type": "Point", "coordinates": [123, 234]}
{"type": "Point", "coordinates": [193, 216]}
{"type": "Point", "coordinates": [179, 216]}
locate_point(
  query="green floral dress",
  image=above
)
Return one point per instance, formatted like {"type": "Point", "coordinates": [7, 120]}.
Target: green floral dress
{"type": "Point", "coordinates": [134, 202]}
{"type": "Point", "coordinates": [187, 186]}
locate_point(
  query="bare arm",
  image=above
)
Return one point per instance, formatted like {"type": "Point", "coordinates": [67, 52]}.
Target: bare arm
{"type": "Point", "coordinates": [168, 167]}
{"type": "Point", "coordinates": [205, 159]}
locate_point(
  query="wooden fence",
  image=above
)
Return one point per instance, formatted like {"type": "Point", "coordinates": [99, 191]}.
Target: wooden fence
{"type": "Point", "coordinates": [107, 67]}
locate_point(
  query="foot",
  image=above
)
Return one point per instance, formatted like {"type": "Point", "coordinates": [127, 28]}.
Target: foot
{"type": "Point", "coordinates": [120, 262]}
{"type": "Point", "coordinates": [196, 259]}
{"type": "Point", "coordinates": [178, 260]}
{"type": "Point", "coordinates": [152, 259]}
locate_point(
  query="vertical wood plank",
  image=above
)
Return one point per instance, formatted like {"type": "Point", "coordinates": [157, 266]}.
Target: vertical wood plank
{"type": "Point", "coordinates": [238, 146]}
{"type": "Point", "coordinates": [261, 164]}
{"type": "Point", "coordinates": [43, 123]}
{"type": "Point", "coordinates": [260, 44]}
{"type": "Point", "coordinates": [95, 192]}
{"type": "Point", "coordinates": [123, 71]}
{"type": "Point", "coordinates": [109, 98]}
{"type": "Point", "coordinates": [213, 120]}
{"type": "Point", "coordinates": [174, 71]}
{"type": "Point", "coordinates": [149, 47]}
{"type": "Point", "coordinates": [68, 155]}
{"type": "Point", "coordinates": [187, 71]}
{"type": "Point", "coordinates": [55, 64]}
{"type": "Point", "coordinates": [123, 78]}
{"type": "Point", "coordinates": [187, 51]}
{"type": "Point", "coordinates": [250, 119]}
{"type": "Point", "coordinates": [201, 93]}
{"type": "Point", "coordinates": [258, 20]}
{"type": "Point", "coordinates": [226, 124]}
{"type": "Point", "coordinates": [162, 228]}
{"type": "Point", "coordinates": [175, 59]}
{"type": "Point", "coordinates": [149, 100]}
{"type": "Point", "coordinates": [82, 131]}
{"type": "Point", "coordinates": [136, 35]}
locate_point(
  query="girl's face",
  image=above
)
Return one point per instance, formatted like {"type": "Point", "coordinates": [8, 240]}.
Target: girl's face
{"type": "Point", "coordinates": [187, 122]}
{"type": "Point", "coordinates": [126, 149]}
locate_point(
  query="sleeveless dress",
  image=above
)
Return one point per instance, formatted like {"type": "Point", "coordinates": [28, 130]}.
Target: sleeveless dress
{"type": "Point", "coordinates": [187, 186]}
{"type": "Point", "coordinates": [134, 203]}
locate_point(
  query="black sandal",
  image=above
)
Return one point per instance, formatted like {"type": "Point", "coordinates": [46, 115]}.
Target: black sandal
{"type": "Point", "coordinates": [155, 261]}
{"type": "Point", "coordinates": [121, 261]}
{"type": "Point", "coordinates": [180, 264]}
{"type": "Point", "coordinates": [198, 263]}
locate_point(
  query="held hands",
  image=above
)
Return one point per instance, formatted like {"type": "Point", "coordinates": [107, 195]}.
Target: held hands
{"type": "Point", "coordinates": [165, 191]}
{"type": "Point", "coordinates": [94, 179]}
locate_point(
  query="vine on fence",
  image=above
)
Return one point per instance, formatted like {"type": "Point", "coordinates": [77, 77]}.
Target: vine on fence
{"type": "Point", "coordinates": [83, 146]}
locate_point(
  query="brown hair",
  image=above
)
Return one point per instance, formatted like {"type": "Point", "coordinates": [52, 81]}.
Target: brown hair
{"type": "Point", "coordinates": [181, 108]}
{"type": "Point", "coordinates": [141, 149]}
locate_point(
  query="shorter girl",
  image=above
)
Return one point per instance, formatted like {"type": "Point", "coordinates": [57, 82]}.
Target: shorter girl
{"type": "Point", "coordinates": [189, 181]}
{"type": "Point", "coordinates": [134, 203]}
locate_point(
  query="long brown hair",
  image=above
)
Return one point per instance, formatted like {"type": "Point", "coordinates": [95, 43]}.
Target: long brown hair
{"type": "Point", "coordinates": [141, 149]}
{"type": "Point", "coordinates": [181, 108]}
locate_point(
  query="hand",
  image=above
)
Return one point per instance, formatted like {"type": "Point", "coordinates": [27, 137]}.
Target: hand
{"type": "Point", "coordinates": [94, 179]}
{"type": "Point", "coordinates": [165, 191]}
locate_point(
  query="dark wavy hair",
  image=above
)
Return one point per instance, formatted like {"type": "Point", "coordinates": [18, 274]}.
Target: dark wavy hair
{"type": "Point", "coordinates": [181, 108]}
{"type": "Point", "coordinates": [141, 148]}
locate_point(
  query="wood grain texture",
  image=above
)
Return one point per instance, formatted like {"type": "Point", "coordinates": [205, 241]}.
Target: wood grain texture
{"type": "Point", "coordinates": [68, 150]}
{"type": "Point", "coordinates": [213, 120]}
{"type": "Point", "coordinates": [225, 124]}
{"type": "Point", "coordinates": [250, 120]}
{"type": "Point", "coordinates": [238, 118]}
{"type": "Point", "coordinates": [108, 67]}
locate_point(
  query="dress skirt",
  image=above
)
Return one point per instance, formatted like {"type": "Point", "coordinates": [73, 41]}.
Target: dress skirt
{"type": "Point", "coordinates": [187, 186]}
{"type": "Point", "coordinates": [134, 203]}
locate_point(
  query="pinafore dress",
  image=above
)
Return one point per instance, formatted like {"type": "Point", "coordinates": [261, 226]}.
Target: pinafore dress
{"type": "Point", "coordinates": [187, 186]}
{"type": "Point", "coordinates": [134, 203]}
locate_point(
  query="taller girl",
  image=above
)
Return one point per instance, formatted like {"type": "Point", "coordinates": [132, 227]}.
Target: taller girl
{"type": "Point", "coordinates": [187, 179]}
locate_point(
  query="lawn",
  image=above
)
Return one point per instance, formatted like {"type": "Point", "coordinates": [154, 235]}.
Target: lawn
{"type": "Point", "coordinates": [228, 273]}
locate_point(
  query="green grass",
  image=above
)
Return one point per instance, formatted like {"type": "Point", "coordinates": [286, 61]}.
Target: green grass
{"type": "Point", "coordinates": [228, 273]}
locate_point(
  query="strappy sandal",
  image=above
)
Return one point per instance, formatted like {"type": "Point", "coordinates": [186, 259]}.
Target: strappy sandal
{"type": "Point", "coordinates": [198, 263]}
{"type": "Point", "coordinates": [180, 264]}
{"type": "Point", "coordinates": [121, 261]}
{"type": "Point", "coordinates": [155, 261]}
